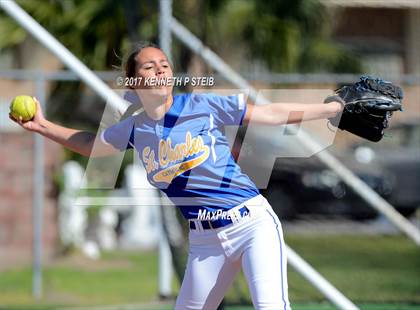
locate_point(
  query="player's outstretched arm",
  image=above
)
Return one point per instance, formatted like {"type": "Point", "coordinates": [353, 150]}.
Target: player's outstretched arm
{"type": "Point", "coordinates": [290, 113]}
{"type": "Point", "coordinates": [78, 141]}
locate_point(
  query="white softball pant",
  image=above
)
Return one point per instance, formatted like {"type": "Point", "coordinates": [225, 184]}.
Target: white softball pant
{"type": "Point", "coordinates": [254, 243]}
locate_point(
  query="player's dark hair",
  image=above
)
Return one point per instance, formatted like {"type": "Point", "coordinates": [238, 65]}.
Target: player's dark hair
{"type": "Point", "coordinates": [131, 62]}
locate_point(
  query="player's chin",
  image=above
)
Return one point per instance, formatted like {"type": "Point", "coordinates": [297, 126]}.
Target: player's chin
{"type": "Point", "coordinates": [162, 91]}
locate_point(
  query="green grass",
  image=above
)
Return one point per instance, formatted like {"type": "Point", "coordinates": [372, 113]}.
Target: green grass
{"type": "Point", "coordinates": [307, 306]}
{"type": "Point", "coordinates": [378, 273]}
{"type": "Point", "coordinates": [364, 268]}
{"type": "Point", "coordinates": [117, 278]}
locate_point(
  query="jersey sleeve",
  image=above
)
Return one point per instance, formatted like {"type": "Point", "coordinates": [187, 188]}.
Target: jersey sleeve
{"type": "Point", "coordinates": [120, 135]}
{"type": "Point", "coordinates": [228, 110]}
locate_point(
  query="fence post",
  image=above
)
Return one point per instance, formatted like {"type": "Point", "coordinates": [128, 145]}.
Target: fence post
{"type": "Point", "coordinates": [38, 198]}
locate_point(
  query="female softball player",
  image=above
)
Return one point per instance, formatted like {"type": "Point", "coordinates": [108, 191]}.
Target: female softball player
{"type": "Point", "coordinates": [180, 140]}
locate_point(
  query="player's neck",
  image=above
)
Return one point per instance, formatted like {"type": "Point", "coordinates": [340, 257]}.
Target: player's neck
{"type": "Point", "coordinates": [156, 106]}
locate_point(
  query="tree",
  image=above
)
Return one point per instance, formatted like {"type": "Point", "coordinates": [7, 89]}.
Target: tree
{"type": "Point", "coordinates": [283, 35]}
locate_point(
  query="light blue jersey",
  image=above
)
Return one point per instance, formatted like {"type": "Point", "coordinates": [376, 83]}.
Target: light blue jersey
{"type": "Point", "coordinates": [187, 155]}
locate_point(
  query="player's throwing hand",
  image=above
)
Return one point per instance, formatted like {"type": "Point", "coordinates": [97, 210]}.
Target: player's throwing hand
{"type": "Point", "coordinates": [36, 123]}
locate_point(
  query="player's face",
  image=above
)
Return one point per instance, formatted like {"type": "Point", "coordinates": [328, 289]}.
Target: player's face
{"type": "Point", "coordinates": [153, 64]}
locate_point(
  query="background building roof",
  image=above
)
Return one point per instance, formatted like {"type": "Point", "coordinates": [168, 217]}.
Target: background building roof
{"type": "Point", "coordinates": [374, 3]}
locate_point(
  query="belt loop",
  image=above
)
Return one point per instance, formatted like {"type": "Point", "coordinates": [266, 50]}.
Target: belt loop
{"type": "Point", "coordinates": [232, 215]}
{"type": "Point", "coordinates": [237, 215]}
{"type": "Point", "coordinates": [198, 225]}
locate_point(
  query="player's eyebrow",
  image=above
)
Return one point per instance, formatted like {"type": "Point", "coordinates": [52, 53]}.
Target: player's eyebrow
{"type": "Point", "coordinates": [153, 61]}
